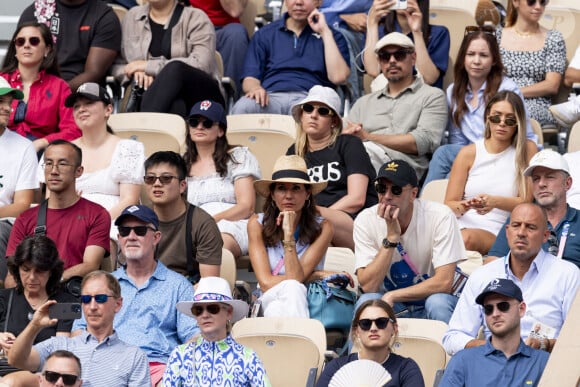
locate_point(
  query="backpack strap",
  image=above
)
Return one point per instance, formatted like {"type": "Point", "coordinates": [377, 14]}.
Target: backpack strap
{"type": "Point", "coordinates": [40, 228]}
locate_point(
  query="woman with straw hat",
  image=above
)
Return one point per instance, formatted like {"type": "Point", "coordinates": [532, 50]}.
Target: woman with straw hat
{"type": "Point", "coordinates": [214, 358]}
{"type": "Point", "coordinates": [288, 241]}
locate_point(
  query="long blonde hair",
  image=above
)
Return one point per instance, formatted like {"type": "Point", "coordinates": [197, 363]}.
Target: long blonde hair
{"type": "Point", "coordinates": [519, 138]}
{"type": "Point", "coordinates": [301, 144]}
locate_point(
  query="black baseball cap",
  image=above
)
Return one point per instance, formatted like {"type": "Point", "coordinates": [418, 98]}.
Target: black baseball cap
{"type": "Point", "coordinates": [398, 172]}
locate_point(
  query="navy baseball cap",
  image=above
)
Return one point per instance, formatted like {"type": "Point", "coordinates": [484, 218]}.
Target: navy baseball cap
{"type": "Point", "coordinates": [211, 110]}
{"type": "Point", "coordinates": [398, 172]}
{"type": "Point", "coordinates": [502, 286]}
{"type": "Point", "coordinates": [141, 212]}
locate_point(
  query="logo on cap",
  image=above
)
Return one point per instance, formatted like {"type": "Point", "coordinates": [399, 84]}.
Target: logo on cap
{"type": "Point", "coordinates": [82, 88]}
{"type": "Point", "coordinates": [392, 167]}
{"type": "Point", "coordinates": [493, 284]}
{"type": "Point", "coordinates": [132, 209]}
{"type": "Point", "coordinates": [204, 105]}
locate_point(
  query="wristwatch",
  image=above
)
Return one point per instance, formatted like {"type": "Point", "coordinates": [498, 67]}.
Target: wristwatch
{"type": "Point", "coordinates": [387, 244]}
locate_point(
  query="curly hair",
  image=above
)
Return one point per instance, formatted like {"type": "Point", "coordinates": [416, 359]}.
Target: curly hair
{"type": "Point", "coordinates": [40, 252]}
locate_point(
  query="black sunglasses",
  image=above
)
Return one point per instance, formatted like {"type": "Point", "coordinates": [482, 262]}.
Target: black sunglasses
{"type": "Point", "coordinates": [193, 122]}
{"type": "Point", "coordinates": [67, 379]}
{"type": "Point", "coordinates": [197, 310]}
{"type": "Point", "coordinates": [322, 110]}
{"type": "Point", "coordinates": [382, 189]}
{"type": "Point", "coordinates": [99, 298]}
{"type": "Point", "coordinates": [543, 3]}
{"type": "Point", "coordinates": [33, 40]}
{"type": "Point", "coordinates": [139, 230]}
{"type": "Point", "coordinates": [399, 55]}
{"type": "Point", "coordinates": [164, 179]}
{"type": "Point", "coordinates": [485, 29]}
{"type": "Point", "coordinates": [366, 323]}
{"type": "Point", "coordinates": [507, 121]}
{"type": "Point", "coordinates": [503, 306]}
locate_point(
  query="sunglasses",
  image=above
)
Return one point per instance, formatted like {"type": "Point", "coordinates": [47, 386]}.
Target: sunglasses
{"type": "Point", "coordinates": [67, 379]}
{"type": "Point", "coordinates": [543, 3]}
{"type": "Point", "coordinates": [366, 323]}
{"type": "Point", "coordinates": [139, 230]}
{"type": "Point", "coordinates": [34, 41]}
{"type": "Point", "coordinates": [503, 306]}
{"type": "Point", "coordinates": [197, 310]}
{"type": "Point", "coordinates": [507, 121]}
{"type": "Point", "coordinates": [485, 29]}
{"type": "Point", "coordinates": [99, 298]}
{"type": "Point", "coordinates": [399, 55]}
{"type": "Point", "coordinates": [164, 179]}
{"type": "Point", "coordinates": [193, 122]}
{"type": "Point", "coordinates": [383, 188]}
{"type": "Point", "coordinates": [322, 110]}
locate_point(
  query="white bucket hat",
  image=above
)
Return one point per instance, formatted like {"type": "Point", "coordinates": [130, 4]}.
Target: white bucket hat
{"type": "Point", "coordinates": [211, 290]}
{"type": "Point", "coordinates": [321, 94]}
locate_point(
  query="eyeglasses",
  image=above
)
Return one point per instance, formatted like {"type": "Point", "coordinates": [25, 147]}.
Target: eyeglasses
{"type": "Point", "coordinates": [503, 306]}
{"type": "Point", "coordinates": [366, 323]}
{"type": "Point", "coordinates": [33, 40]}
{"type": "Point", "coordinates": [67, 379]}
{"type": "Point", "coordinates": [164, 179]}
{"type": "Point", "coordinates": [322, 110]}
{"type": "Point", "coordinates": [382, 189]}
{"type": "Point", "coordinates": [139, 230]}
{"type": "Point", "coordinates": [61, 165]}
{"type": "Point", "coordinates": [399, 55]}
{"type": "Point", "coordinates": [197, 310]}
{"type": "Point", "coordinates": [193, 122]}
{"type": "Point", "coordinates": [507, 121]}
{"type": "Point", "coordinates": [485, 29]}
{"type": "Point", "coordinates": [543, 3]}
{"type": "Point", "coordinates": [99, 298]}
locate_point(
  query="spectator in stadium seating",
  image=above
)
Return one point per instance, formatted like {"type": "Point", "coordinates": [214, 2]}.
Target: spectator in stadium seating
{"type": "Point", "coordinates": [215, 311]}
{"type": "Point", "coordinates": [17, 163]}
{"type": "Point", "coordinates": [534, 57]}
{"type": "Point", "coordinates": [31, 66]}
{"type": "Point", "coordinates": [168, 51]}
{"type": "Point", "coordinates": [548, 283]}
{"type": "Point", "coordinates": [374, 328]}
{"type": "Point", "coordinates": [79, 227]}
{"type": "Point", "coordinates": [106, 360]}
{"type": "Point", "coordinates": [340, 160]}
{"type": "Point", "coordinates": [87, 35]}
{"type": "Point", "coordinates": [61, 365]}
{"type": "Point", "coordinates": [221, 176]}
{"type": "Point", "coordinates": [431, 41]}
{"type": "Point", "coordinates": [551, 181]}
{"type": "Point", "coordinates": [231, 36]}
{"type": "Point", "coordinates": [289, 56]}
{"type": "Point", "coordinates": [568, 113]}
{"type": "Point", "coordinates": [504, 359]}
{"type": "Point", "coordinates": [406, 119]}
{"type": "Point", "coordinates": [501, 157]}
{"type": "Point", "coordinates": [288, 241]}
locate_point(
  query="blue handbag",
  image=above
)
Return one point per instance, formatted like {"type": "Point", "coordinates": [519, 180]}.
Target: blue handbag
{"type": "Point", "coordinates": [332, 305]}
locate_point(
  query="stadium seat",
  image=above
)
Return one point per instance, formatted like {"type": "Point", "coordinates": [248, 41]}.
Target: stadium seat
{"type": "Point", "coordinates": [435, 190]}
{"type": "Point", "coordinates": [574, 138]}
{"type": "Point", "coordinates": [228, 268]}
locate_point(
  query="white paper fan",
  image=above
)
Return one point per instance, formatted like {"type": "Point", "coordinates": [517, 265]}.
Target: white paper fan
{"type": "Point", "coordinates": [360, 373]}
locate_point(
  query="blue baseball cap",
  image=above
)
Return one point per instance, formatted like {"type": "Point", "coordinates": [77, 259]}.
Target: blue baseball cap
{"type": "Point", "coordinates": [141, 212]}
{"type": "Point", "coordinates": [502, 286]}
{"type": "Point", "coordinates": [211, 110]}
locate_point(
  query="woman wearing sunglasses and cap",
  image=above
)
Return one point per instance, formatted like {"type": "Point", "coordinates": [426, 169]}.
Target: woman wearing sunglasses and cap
{"type": "Point", "coordinates": [221, 175]}
{"type": "Point", "coordinates": [30, 65]}
{"type": "Point", "coordinates": [341, 160]}
{"type": "Point", "coordinates": [288, 241]}
{"type": "Point", "coordinates": [487, 180]}
{"type": "Point", "coordinates": [373, 331]}
{"type": "Point", "coordinates": [214, 358]}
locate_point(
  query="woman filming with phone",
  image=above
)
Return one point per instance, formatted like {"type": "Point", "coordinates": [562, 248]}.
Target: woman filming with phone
{"type": "Point", "coordinates": [37, 270]}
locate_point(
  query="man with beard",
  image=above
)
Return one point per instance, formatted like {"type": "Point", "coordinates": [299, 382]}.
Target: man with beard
{"type": "Point", "coordinates": [548, 283]}
{"type": "Point", "coordinates": [504, 360]}
{"type": "Point", "coordinates": [405, 120]}
{"type": "Point", "coordinates": [550, 181]}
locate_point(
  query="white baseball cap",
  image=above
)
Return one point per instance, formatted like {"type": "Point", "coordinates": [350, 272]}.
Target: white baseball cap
{"type": "Point", "coordinates": [549, 159]}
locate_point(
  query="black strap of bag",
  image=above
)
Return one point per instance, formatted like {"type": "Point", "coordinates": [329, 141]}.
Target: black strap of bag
{"type": "Point", "coordinates": [40, 228]}
{"type": "Point", "coordinates": [192, 269]}
{"type": "Point", "coordinates": [166, 42]}
{"type": "Point", "coordinates": [8, 310]}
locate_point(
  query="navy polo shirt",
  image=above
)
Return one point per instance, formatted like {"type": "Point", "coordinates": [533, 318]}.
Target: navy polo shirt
{"type": "Point", "coordinates": [571, 249]}
{"type": "Point", "coordinates": [284, 62]}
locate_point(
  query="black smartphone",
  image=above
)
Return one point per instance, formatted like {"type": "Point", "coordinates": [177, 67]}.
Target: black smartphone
{"type": "Point", "coordinates": [65, 311]}
{"type": "Point", "coordinates": [315, 19]}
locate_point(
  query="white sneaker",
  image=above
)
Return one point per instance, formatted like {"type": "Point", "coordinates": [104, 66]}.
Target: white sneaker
{"type": "Point", "coordinates": [567, 113]}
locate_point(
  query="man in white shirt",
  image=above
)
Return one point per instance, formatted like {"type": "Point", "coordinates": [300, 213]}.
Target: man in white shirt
{"type": "Point", "coordinates": [567, 113]}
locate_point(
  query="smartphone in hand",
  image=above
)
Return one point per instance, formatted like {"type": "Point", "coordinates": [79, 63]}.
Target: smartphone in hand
{"type": "Point", "coordinates": [65, 311]}
{"type": "Point", "coordinates": [400, 4]}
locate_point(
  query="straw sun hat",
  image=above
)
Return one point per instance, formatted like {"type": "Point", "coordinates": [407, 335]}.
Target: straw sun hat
{"type": "Point", "coordinates": [288, 169]}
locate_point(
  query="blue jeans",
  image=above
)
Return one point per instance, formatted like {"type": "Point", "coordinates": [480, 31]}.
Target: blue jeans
{"type": "Point", "coordinates": [232, 43]}
{"type": "Point", "coordinates": [441, 162]}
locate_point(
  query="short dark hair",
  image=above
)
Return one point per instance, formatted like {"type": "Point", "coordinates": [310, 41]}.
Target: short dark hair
{"type": "Point", "coordinates": [78, 151]}
{"type": "Point", "coordinates": [61, 353]}
{"type": "Point", "coordinates": [168, 157]}
{"type": "Point", "coordinates": [41, 252]}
